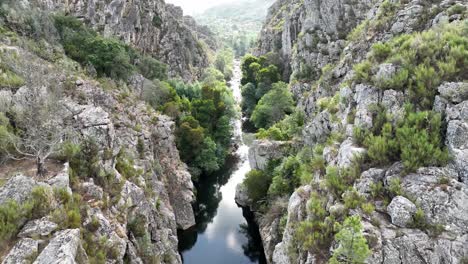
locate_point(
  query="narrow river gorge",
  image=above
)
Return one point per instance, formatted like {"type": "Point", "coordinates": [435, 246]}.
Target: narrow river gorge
{"type": "Point", "coordinates": [224, 233]}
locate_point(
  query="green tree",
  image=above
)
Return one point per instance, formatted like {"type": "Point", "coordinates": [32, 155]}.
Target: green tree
{"type": "Point", "coordinates": [249, 100]}
{"type": "Point", "coordinates": [257, 183]}
{"type": "Point", "coordinates": [207, 158]}
{"type": "Point", "coordinates": [353, 248]}
{"type": "Point", "coordinates": [273, 107]}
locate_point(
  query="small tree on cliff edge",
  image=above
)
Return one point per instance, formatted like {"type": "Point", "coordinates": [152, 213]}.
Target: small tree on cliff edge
{"type": "Point", "coordinates": [38, 130]}
{"type": "Point", "coordinates": [352, 247]}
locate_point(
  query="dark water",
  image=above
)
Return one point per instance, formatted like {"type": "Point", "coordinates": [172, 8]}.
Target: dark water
{"type": "Point", "coordinates": [224, 233]}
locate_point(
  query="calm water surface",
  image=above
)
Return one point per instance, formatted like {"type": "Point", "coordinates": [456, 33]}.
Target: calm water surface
{"type": "Point", "coordinates": [223, 235]}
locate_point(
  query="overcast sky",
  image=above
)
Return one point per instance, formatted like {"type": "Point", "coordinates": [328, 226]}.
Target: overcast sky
{"type": "Point", "coordinates": [197, 6]}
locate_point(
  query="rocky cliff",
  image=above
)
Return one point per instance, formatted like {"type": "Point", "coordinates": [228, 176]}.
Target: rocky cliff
{"type": "Point", "coordinates": [154, 27]}
{"type": "Point", "coordinates": [322, 42]}
{"type": "Point", "coordinates": [117, 191]}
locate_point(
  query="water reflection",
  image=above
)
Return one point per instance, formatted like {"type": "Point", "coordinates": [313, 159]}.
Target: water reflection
{"type": "Point", "coordinates": [222, 233]}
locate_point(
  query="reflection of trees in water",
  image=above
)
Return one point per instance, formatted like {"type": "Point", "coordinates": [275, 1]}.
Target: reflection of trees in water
{"type": "Point", "coordinates": [208, 199]}
{"type": "Point", "coordinates": [253, 248]}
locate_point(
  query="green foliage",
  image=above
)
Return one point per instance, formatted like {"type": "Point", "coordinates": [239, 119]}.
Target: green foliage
{"type": "Point", "coordinates": [353, 246]}
{"type": "Point", "coordinates": [11, 216]}
{"type": "Point", "coordinates": [286, 177]}
{"type": "Point", "coordinates": [424, 60]}
{"type": "Point", "coordinates": [137, 226]}
{"type": "Point", "coordinates": [207, 158]}
{"type": "Point", "coordinates": [316, 233]}
{"type": "Point", "coordinates": [110, 57]}
{"type": "Point", "coordinates": [223, 63]}
{"type": "Point", "coordinates": [273, 107]}
{"type": "Point", "coordinates": [257, 183]}
{"type": "Point", "coordinates": [420, 139]}
{"type": "Point", "coordinates": [9, 79]}
{"type": "Point", "coordinates": [416, 140]}
{"type": "Point", "coordinates": [285, 129]}
{"type": "Point", "coordinates": [126, 166]}
{"type": "Point", "coordinates": [394, 187]}
{"type": "Point", "coordinates": [334, 182]}
{"type": "Point", "coordinates": [152, 69]}
{"type": "Point", "coordinates": [158, 93]}
{"type": "Point", "coordinates": [352, 199]}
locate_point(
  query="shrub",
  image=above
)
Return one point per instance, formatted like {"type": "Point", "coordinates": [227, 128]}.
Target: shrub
{"type": "Point", "coordinates": [9, 79]}
{"type": "Point", "coordinates": [138, 226]}
{"type": "Point", "coordinates": [368, 208]}
{"type": "Point", "coordinates": [257, 184]}
{"type": "Point", "coordinates": [353, 246]}
{"type": "Point", "coordinates": [352, 199]}
{"type": "Point", "coordinates": [11, 216]}
{"type": "Point", "coordinates": [334, 182]}
{"type": "Point", "coordinates": [125, 165]}
{"type": "Point", "coordinates": [420, 139]}
{"type": "Point", "coordinates": [394, 187]}
{"type": "Point", "coordinates": [152, 69]}
{"type": "Point", "coordinates": [425, 60]}
{"type": "Point", "coordinates": [286, 177]}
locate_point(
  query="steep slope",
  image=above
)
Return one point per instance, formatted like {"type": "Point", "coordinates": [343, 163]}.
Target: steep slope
{"type": "Point", "coordinates": [152, 26]}
{"type": "Point", "coordinates": [355, 67]}
{"type": "Point", "coordinates": [113, 189]}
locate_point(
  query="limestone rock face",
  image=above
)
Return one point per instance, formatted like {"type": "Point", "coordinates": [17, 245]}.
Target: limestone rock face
{"type": "Point", "coordinates": [152, 26]}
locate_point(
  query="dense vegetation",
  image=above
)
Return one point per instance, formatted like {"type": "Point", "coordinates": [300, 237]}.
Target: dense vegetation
{"type": "Point", "coordinates": [266, 100]}
{"type": "Point", "coordinates": [422, 61]}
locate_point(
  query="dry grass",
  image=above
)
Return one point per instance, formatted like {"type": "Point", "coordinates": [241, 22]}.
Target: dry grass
{"type": "Point", "coordinates": [27, 168]}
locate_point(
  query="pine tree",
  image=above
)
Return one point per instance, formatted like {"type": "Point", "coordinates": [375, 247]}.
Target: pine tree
{"type": "Point", "coordinates": [352, 247]}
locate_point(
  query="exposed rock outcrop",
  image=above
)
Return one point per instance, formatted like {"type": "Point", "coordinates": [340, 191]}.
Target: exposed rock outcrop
{"type": "Point", "coordinates": [152, 26]}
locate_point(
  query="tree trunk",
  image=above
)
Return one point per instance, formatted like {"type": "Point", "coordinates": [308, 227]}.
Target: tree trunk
{"type": "Point", "coordinates": [41, 169]}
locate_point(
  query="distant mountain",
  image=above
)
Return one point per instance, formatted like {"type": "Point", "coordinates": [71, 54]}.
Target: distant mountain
{"type": "Point", "coordinates": [237, 24]}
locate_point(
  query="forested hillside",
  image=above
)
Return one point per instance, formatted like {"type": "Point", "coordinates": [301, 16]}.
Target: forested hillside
{"type": "Point", "coordinates": [236, 24]}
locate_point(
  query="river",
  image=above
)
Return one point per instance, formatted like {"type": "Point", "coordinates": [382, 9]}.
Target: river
{"type": "Point", "coordinates": [224, 233]}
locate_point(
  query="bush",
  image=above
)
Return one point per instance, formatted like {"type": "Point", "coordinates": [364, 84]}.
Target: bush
{"type": "Point", "coordinates": [257, 184]}
{"type": "Point", "coordinates": [11, 216]}
{"type": "Point", "coordinates": [286, 177]}
{"type": "Point", "coordinates": [425, 60]}
{"type": "Point", "coordinates": [420, 139]}
{"type": "Point", "coordinates": [273, 107]}
{"type": "Point", "coordinates": [138, 226]}
{"type": "Point", "coordinates": [152, 69]}
{"type": "Point", "coordinates": [9, 79]}
{"type": "Point", "coordinates": [353, 246]}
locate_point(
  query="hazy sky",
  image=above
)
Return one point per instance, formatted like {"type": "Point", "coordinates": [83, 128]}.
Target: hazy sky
{"type": "Point", "coordinates": [197, 6]}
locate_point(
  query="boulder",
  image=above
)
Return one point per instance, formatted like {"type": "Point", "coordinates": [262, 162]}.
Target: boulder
{"type": "Point", "coordinates": [23, 252]}
{"type": "Point", "coordinates": [454, 92]}
{"type": "Point", "coordinates": [61, 180]}
{"type": "Point", "coordinates": [63, 248]}
{"type": "Point", "coordinates": [262, 151]}
{"type": "Point", "coordinates": [18, 188]}
{"type": "Point", "coordinates": [348, 152]}
{"type": "Point", "coordinates": [38, 228]}
{"type": "Point", "coordinates": [401, 210]}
